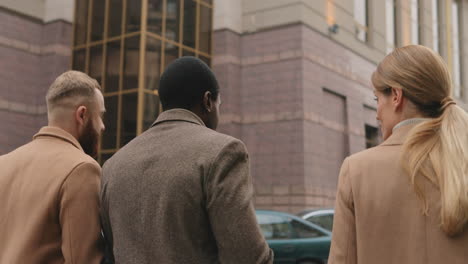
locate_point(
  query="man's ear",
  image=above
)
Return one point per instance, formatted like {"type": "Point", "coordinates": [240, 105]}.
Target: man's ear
{"type": "Point", "coordinates": [397, 98]}
{"type": "Point", "coordinates": [208, 102]}
{"type": "Point", "coordinates": [80, 115]}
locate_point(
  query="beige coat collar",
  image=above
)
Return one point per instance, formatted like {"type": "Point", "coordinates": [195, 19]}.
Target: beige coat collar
{"type": "Point", "coordinates": [179, 114]}
{"type": "Point", "coordinates": [56, 132]}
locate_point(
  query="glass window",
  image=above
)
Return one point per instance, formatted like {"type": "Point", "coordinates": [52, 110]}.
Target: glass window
{"type": "Point", "coordinates": [128, 124]}
{"type": "Point", "coordinates": [105, 157]}
{"type": "Point", "coordinates": [171, 52]}
{"type": "Point", "coordinates": [188, 53]}
{"type": "Point", "coordinates": [131, 63]}
{"type": "Point", "coordinates": [435, 25]}
{"type": "Point", "coordinates": [155, 15]}
{"type": "Point", "coordinates": [153, 63]}
{"type": "Point", "coordinates": [112, 66]}
{"type": "Point", "coordinates": [190, 22]}
{"type": "Point", "coordinates": [109, 136]}
{"type": "Point", "coordinates": [415, 21]}
{"type": "Point", "coordinates": [79, 60]}
{"type": "Point", "coordinates": [97, 22]}
{"type": "Point", "coordinates": [206, 60]}
{"type": "Point", "coordinates": [372, 136]}
{"type": "Point", "coordinates": [456, 49]}
{"type": "Point", "coordinates": [205, 29]}
{"type": "Point", "coordinates": [172, 20]}
{"type": "Point", "coordinates": [304, 231]}
{"type": "Point", "coordinates": [133, 16]}
{"type": "Point", "coordinates": [360, 17]}
{"type": "Point", "coordinates": [81, 22]}
{"type": "Point", "coordinates": [274, 227]}
{"type": "Point", "coordinates": [151, 110]}
{"type": "Point", "coordinates": [115, 18]}
{"type": "Point", "coordinates": [325, 221]}
{"type": "Point", "coordinates": [95, 63]}
{"type": "Point", "coordinates": [390, 24]}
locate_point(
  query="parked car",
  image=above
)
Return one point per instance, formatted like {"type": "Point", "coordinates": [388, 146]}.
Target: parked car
{"type": "Point", "coordinates": [320, 217]}
{"type": "Point", "coordinates": [293, 239]}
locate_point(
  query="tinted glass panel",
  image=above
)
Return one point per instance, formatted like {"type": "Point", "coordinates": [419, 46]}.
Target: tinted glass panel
{"type": "Point", "coordinates": [188, 53]}
{"type": "Point", "coordinates": [129, 118]}
{"type": "Point", "coordinates": [95, 63]}
{"type": "Point", "coordinates": [153, 63]}
{"type": "Point", "coordinates": [133, 15]}
{"type": "Point", "coordinates": [109, 137]}
{"type": "Point", "coordinates": [97, 22]}
{"type": "Point", "coordinates": [172, 19]}
{"type": "Point", "coordinates": [304, 231]}
{"type": "Point", "coordinates": [325, 221]}
{"type": "Point", "coordinates": [155, 16]}
{"type": "Point", "coordinates": [131, 63]}
{"type": "Point", "coordinates": [274, 227]}
{"type": "Point", "coordinates": [81, 20]}
{"type": "Point", "coordinates": [206, 60]}
{"type": "Point", "coordinates": [171, 53]}
{"type": "Point", "coordinates": [79, 59]}
{"type": "Point", "coordinates": [115, 18]}
{"type": "Point", "coordinates": [113, 66]}
{"type": "Point", "coordinates": [151, 110]}
{"type": "Point", "coordinates": [190, 22]}
{"type": "Point", "coordinates": [205, 29]}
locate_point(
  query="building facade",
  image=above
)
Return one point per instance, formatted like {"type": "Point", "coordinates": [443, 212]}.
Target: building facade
{"type": "Point", "coordinates": [295, 78]}
{"type": "Point", "coordinates": [294, 74]}
{"type": "Point", "coordinates": [35, 47]}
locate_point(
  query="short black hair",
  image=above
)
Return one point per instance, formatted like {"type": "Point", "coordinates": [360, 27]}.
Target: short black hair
{"type": "Point", "coordinates": [184, 83]}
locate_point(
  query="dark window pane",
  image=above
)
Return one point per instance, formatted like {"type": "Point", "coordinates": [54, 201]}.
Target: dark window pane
{"type": "Point", "coordinates": [190, 16]}
{"type": "Point", "coordinates": [115, 18]}
{"type": "Point", "coordinates": [112, 66]}
{"type": "Point", "coordinates": [304, 231]}
{"type": "Point", "coordinates": [133, 15]}
{"type": "Point", "coordinates": [97, 22]}
{"type": "Point", "coordinates": [206, 60]}
{"type": "Point", "coordinates": [205, 29]}
{"type": "Point", "coordinates": [171, 53]}
{"type": "Point", "coordinates": [188, 53]}
{"type": "Point", "coordinates": [325, 221]}
{"type": "Point", "coordinates": [151, 110]}
{"type": "Point", "coordinates": [372, 136]}
{"type": "Point", "coordinates": [79, 60]}
{"type": "Point", "coordinates": [172, 19]}
{"type": "Point", "coordinates": [95, 63]}
{"type": "Point", "coordinates": [153, 63]}
{"type": "Point", "coordinates": [105, 157]}
{"type": "Point", "coordinates": [81, 20]}
{"type": "Point", "coordinates": [129, 118]}
{"type": "Point", "coordinates": [131, 63]}
{"type": "Point", "coordinates": [155, 16]}
{"type": "Point", "coordinates": [109, 137]}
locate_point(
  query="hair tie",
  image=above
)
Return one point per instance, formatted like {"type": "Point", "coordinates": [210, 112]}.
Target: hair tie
{"type": "Point", "coordinates": [446, 102]}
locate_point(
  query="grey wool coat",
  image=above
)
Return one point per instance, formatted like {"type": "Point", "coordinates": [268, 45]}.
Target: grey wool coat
{"type": "Point", "coordinates": [181, 193]}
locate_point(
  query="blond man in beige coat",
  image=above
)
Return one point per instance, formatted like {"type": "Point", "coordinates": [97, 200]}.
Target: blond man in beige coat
{"type": "Point", "coordinates": [406, 201]}
{"type": "Point", "coordinates": [49, 202]}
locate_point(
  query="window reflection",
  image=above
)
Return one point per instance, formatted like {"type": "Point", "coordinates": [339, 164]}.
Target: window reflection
{"type": "Point", "coordinates": [109, 136]}
{"type": "Point", "coordinates": [171, 52]}
{"type": "Point", "coordinates": [186, 52]}
{"type": "Point", "coordinates": [190, 22]}
{"type": "Point", "coordinates": [153, 63]}
{"type": "Point", "coordinates": [115, 18]}
{"type": "Point", "coordinates": [129, 118]}
{"type": "Point", "coordinates": [133, 15]}
{"type": "Point", "coordinates": [95, 63]}
{"type": "Point", "coordinates": [131, 63]}
{"type": "Point", "coordinates": [97, 22]}
{"type": "Point", "coordinates": [79, 60]}
{"type": "Point", "coordinates": [151, 110]}
{"type": "Point", "coordinates": [81, 22]}
{"type": "Point", "coordinates": [112, 66]}
{"type": "Point", "coordinates": [172, 20]}
{"type": "Point", "coordinates": [155, 16]}
{"type": "Point", "coordinates": [205, 29]}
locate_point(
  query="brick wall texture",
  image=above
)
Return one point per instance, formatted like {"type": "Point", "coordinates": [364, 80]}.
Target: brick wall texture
{"type": "Point", "coordinates": [300, 102]}
{"type": "Point", "coordinates": [32, 55]}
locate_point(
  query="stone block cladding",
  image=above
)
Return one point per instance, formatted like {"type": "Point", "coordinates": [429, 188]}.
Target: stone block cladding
{"type": "Point", "coordinates": [300, 102]}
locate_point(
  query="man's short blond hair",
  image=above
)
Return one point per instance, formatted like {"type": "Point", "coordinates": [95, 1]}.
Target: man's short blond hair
{"type": "Point", "coordinates": [70, 89]}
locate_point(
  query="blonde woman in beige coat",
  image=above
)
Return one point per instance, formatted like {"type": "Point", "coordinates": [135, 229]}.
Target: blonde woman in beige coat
{"type": "Point", "coordinates": [406, 200]}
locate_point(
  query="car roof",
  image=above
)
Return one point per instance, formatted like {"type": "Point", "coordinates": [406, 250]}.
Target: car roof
{"type": "Point", "coordinates": [309, 213]}
{"type": "Point", "coordinates": [302, 221]}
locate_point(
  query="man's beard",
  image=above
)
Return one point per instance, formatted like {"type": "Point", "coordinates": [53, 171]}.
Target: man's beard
{"type": "Point", "coordinates": [89, 140]}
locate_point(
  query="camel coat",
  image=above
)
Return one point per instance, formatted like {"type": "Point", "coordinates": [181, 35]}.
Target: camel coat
{"type": "Point", "coordinates": [378, 217]}
{"type": "Point", "coordinates": [49, 198]}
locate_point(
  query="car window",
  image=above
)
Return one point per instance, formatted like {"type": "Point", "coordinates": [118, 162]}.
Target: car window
{"type": "Point", "coordinates": [274, 227]}
{"type": "Point", "coordinates": [305, 231]}
{"type": "Point", "coordinates": [325, 221]}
